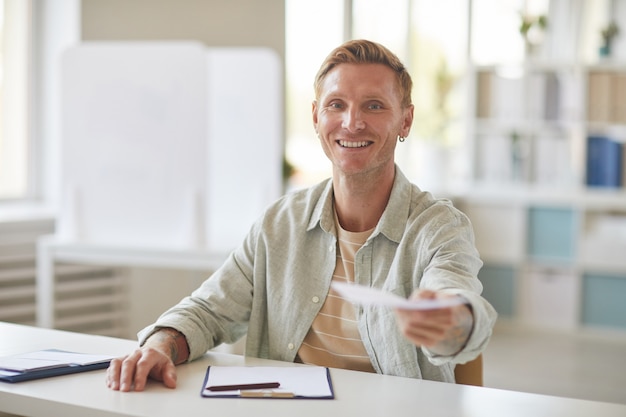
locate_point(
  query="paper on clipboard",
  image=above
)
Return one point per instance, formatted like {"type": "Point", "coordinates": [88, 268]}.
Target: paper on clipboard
{"type": "Point", "coordinates": [297, 381]}
{"type": "Point", "coordinates": [360, 294]}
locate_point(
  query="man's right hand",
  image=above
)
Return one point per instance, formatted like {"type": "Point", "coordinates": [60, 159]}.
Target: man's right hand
{"type": "Point", "coordinates": [157, 359]}
{"type": "Point", "coordinates": [132, 371]}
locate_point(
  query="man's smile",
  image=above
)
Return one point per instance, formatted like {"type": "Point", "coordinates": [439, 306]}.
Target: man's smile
{"type": "Point", "coordinates": [353, 144]}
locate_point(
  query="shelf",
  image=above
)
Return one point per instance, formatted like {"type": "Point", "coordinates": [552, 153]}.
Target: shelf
{"type": "Point", "coordinates": [516, 194]}
{"type": "Point", "coordinates": [552, 259]}
{"type": "Point", "coordinates": [550, 107]}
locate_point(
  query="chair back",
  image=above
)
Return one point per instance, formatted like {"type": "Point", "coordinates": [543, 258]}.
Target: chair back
{"type": "Point", "coordinates": [470, 373]}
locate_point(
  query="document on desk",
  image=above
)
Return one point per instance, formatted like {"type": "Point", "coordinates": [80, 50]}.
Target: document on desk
{"type": "Point", "coordinates": [47, 363]}
{"type": "Point", "coordinates": [268, 382]}
{"type": "Point", "coordinates": [360, 294]}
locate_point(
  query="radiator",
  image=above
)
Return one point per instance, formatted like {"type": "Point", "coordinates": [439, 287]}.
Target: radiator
{"type": "Point", "coordinates": [88, 299]}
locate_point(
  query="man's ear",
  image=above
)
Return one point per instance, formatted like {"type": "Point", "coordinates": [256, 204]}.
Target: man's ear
{"type": "Point", "coordinates": [314, 114]}
{"type": "Point", "coordinates": [408, 121]}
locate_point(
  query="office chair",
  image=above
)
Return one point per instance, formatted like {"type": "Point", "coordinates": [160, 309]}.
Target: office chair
{"type": "Point", "coordinates": [470, 373]}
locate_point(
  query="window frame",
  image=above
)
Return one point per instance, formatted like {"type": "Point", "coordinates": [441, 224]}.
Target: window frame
{"type": "Point", "coordinates": [17, 102]}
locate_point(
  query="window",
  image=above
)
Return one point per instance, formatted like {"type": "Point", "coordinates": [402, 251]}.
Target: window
{"type": "Point", "coordinates": [434, 153]}
{"type": "Point", "coordinates": [15, 178]}
{"type": "Point", "coordinates": [383, 21]}
{"type": "Point", "coordinates": [429, 37]}
{"type": "Point", "coordinates": [313, 29]}
{"type": "Point", "coordinates": [504, 19]}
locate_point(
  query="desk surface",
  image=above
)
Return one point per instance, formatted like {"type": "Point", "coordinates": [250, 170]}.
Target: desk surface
{"type": "Point", "coordinates": [357, 393]}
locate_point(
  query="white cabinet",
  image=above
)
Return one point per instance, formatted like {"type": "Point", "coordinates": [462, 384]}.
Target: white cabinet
{"type": "Point", "coordinates": [552, 261]}
{"type": "Point", "coordinates": [500, 227]}
{"type": "Point", "coordinates": [603, 240]}
{"type": "Point", "coordinates": [549, 297]}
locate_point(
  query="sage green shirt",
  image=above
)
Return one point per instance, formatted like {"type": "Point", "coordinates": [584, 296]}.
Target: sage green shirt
{"type": "Point", "coordinates": [273, 285]}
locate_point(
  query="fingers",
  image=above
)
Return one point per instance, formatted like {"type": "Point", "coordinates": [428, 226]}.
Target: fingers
{"type": "Point", "coordinates": [135, 372]}
{"type": "Point", "coordinates": [424, 294]}
{"type": "Point", "coordinates": [169, 375]}
{"type": "Point", "coordinates": [113, 374]}
{"type": "Point", "coordinates": [121, 372]}
{"type": "Point", "coordinates": [444, 331]}
{"type": "Point", "coordinates": [131, 372]}
{"type": "Point", "coordinates": [425, 328]}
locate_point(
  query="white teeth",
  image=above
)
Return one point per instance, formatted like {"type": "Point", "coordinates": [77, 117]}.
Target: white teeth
{"type": "Point", "coordinates": [347, 144]}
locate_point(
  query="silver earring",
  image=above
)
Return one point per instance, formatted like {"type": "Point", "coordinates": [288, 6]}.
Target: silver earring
{"type": "Point", "coordinates": [401, 139]}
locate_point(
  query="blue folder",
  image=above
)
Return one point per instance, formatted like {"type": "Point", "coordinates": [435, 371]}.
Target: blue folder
{"type": "Point", "coordinates": [604, 162]}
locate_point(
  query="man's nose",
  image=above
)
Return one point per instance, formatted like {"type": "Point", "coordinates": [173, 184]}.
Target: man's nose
{"type": "Point", "coordinates": [353, 120]}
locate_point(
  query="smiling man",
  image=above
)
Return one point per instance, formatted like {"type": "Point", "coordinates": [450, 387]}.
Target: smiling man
{"type": "Point", "coordinates": [368, 225]}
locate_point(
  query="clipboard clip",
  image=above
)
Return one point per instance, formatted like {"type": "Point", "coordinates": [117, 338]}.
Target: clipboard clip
{"type": "Point", "coordinates": [265, 394]}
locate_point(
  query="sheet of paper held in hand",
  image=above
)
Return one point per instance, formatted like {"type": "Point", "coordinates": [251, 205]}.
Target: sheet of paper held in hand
{"type": "Point", "coordinates": [360, 294]}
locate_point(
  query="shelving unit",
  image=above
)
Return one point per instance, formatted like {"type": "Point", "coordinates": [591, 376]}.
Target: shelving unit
{"type": "Point", "coordinates": [531, 122]}
{"type": "Point", "coordinates": [552, 260]}
{"type": "Point", "coordinates": [527, 126]}
{"type": "Point", "coordinates": [552, 240]}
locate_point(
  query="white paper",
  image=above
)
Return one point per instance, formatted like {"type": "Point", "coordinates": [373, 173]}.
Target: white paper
{"type": "Point", "coordinates": [301, 381]}
{"type": "Point", "coordinates": [47, 359]}
{"type": "Point", "coordinates": [360, 294]}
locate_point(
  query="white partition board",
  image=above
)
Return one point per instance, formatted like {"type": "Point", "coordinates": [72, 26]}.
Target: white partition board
{"type": "Point", "coordinates": [160, 143]}
{"type": "Point", "coordinates": [245, 150]}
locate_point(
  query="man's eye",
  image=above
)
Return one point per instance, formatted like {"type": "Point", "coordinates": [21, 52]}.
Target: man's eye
{"type": "Point", "coordinates": [375, 106]}
{"type": "Point", "coordinates": [335, 105]}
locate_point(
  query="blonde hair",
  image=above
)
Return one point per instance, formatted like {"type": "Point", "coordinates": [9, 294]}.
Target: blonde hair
{"type": "Point", "coordinates": [366, 52]}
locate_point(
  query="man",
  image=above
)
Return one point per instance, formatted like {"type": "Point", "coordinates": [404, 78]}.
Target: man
{"type": "Point", "coordinates": [366, 225]}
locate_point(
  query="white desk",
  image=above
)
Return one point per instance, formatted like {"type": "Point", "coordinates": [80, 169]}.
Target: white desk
{"type": "Point", "coordinates": [357, 393]}
{"type": "Point", "coordinates": [50, 250]}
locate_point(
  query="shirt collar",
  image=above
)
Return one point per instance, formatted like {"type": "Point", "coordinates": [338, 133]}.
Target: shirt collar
{"type": "Point", "coordinates": [393, 221]}
{"type": "Point", "coordinates": [323, 210]}
{"type": "Point", "coordinates": [391, 224]}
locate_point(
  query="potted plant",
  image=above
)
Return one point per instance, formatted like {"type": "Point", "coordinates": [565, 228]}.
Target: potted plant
{"type": "Point", "coordinates": [532, 29]}
{"type": "Point", "coordinates": [608, 33]}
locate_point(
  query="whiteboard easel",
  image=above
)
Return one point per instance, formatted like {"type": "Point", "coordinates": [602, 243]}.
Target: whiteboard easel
{"type": "Point", "coordinates": [168, 144]}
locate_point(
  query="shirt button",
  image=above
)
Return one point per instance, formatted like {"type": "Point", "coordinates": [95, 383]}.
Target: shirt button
{"type": "Point", "coordinates": [315, 299]}
{"type": "Point", "coordinates": [331, 248]}
{"type": "Point", "coordinates": [290, 346]}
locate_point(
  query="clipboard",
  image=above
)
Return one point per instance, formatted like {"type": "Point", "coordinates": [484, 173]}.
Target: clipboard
{"type": "Point", "coordinates": [48, 363]}
{"type": "Point", "coordinates": [294, 382]}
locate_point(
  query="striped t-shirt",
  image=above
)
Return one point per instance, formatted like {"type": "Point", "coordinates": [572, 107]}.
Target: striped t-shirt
{"type": "Point", "coordinates": [334, 339]}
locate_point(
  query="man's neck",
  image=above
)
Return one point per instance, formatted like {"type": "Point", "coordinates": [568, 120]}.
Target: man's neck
{"type": "Point", "coordinates": [360, 200]}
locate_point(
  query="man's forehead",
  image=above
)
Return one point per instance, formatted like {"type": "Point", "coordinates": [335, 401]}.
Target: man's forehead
{"type": "Point", "coordinates": [373, 79]}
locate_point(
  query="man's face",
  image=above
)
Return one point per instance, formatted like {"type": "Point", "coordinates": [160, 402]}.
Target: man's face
{"type": "Point", "coordinates": [358, 117]}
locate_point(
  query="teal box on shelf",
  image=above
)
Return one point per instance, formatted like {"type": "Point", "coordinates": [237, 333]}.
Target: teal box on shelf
{"type": "Point", "coordinates": [603, 300]}
{"type": "Point", "coordinates": [499, 288]}
{"type": "Point", "coordinates": [551, 234]}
